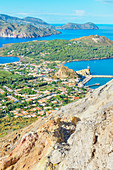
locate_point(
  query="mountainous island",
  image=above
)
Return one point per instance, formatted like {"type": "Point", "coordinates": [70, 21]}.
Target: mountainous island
{"type": "Point", "coordinates": [37, 22]}
{"type": "Point", "coordinates": [30, 27]}
{"type": "Point", "coordinates": [15, 28]}
{"type": "Point", "coordinates": [74, 26]}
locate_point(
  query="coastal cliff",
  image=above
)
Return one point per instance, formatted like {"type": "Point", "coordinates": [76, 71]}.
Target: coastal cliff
{"type": "Point", "coordinates": [77, 136]}
{"type": "Point", "coordinates": [23, 30]}
{"type": "Point", "coordinates": [37, 22]}
{"type": "Point", "coordinates": [65, 72]}
{"type": "Point", "coordinates": [84, 72]}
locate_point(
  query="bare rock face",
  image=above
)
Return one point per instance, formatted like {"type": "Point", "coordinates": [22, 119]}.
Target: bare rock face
{"type": "Point", "coordinates": [65, 72]}
{"type": "Point", "coordinates": [78, 137]}
{"type": "Point", "coordinates": [85, 72]}
{"type": "Point", "coordinates": [91, 145]}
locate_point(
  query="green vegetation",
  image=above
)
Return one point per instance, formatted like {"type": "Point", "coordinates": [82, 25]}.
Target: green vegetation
{"type": "Point", "coordinates": [27, 91]}
{"type": "Point", "coordinates": [10, 78]}
{"type": "Point", "coordinates": [61, 50]}
{"type": "Point", "coordinates": [29, 88]}
{"type": "Point", "coordinates": [10, 124]}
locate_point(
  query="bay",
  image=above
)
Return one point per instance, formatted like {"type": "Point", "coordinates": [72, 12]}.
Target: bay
{"type": "Point", "coordinates": [4, 60]}
{"type": "Point", "coordinates": [102, 67]}
{"type": "Point", "coordinates": [97, 67]}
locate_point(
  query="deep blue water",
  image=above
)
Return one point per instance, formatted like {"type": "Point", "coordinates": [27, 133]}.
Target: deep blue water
{"type": "Point", "coordinates": [101, 81]}
{"type": "Point", "coordinates": [104, 30]}
{"type": "Point", "coordinates": [104, 67]}
{"type": "Point", "coordinates": [97, 67]}
{"type": "Point", "coordinates": [4, 60]}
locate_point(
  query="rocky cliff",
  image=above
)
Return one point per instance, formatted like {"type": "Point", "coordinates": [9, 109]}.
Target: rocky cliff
{"type": "Point", "coordinates": [65, 72]}
{"type": "Point", "coordinates": [84, 72]}
{"type": "Point", "coordinates": [23, 30]}
{"type": "Point", "coordinates": [78, 136]}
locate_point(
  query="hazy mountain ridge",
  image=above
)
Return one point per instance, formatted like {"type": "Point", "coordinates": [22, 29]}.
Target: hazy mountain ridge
{"type": "Point", "coordinates": [40, 23]}
{"type": "Point", "coordinates": [75, 26]}
{"type": "Point", "coordinates": [27, 20]}
{"type": "Point", "coordinates": [23, 30]}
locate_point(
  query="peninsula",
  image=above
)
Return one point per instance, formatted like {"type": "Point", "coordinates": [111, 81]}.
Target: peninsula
{"type": "Point", "coordinates": [85, 48]}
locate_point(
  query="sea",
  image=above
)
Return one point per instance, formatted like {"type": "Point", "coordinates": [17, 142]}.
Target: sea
{"type": "Point", "coordinates": [102, 67]}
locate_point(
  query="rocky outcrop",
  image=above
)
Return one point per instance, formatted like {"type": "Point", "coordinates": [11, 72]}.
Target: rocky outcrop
{"type": "Point", "coordinates": [78, 136]}
{"type": "Point", "coordinates": [85, 72]}
{"type": "Point", "coordinates": [91, 145]}
{"type": "Point", "coordinates": [65, 72]}
{"type": "Point", "coordinates": [94, 40]}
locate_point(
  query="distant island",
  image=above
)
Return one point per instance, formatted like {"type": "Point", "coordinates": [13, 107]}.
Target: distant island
{"type": "Point", "coordinates": [29, 27]}
{"type": "Point", "coordinates": [74, 26]}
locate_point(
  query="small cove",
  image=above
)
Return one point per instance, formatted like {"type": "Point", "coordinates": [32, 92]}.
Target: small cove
{"type": "Point", "coordinates": [4, 60]}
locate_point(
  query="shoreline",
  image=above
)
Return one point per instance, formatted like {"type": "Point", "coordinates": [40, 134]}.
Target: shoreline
{"type": "Point", "coordinates": [64, 62]}
{"type": "Point", "coordinates": [76, 60]}
{"type": "Point", "coordinates": [59, 32]}
{"type": "Point", "coordinates": [12, 61]}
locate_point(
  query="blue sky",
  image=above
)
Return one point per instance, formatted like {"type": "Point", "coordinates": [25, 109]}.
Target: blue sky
{"type": "Point", "coordinates": [61, 11]}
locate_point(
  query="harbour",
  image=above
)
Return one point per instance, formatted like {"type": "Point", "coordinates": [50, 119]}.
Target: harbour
{"type": "Point", "coordinates": [88, 78]}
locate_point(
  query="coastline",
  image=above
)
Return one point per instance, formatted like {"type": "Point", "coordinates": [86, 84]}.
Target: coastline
{"type": "Point", "coordinates": [11, 61]}
{"type": "Point", "coordinates": [64, 62]}
{"type": "Point", "coordinates": [59, 32]}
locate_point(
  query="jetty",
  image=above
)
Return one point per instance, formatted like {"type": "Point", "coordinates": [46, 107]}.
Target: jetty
{"type": "Point", "coordinates": [88, 78]}
{"type": "Point", "coordinates": [102, 76]}
{"type": "Point", "coordinates": [96, 84]}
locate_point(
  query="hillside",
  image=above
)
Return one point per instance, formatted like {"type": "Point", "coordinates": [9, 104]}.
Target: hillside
{"type": "Point", "coordinates": [94, 40]}
{"type": "Point", "coordinates": [37, 22]}
{"type": "Point", "coordinates": [23, 31]}
{"type": "Point", "coordinates": [27, 20]}
{"type": "Point", "coordinates": [91, 47]}
{"type": "Point", "coordinates": [78, 136]}
{"type": "Point", "coordinates": [74, 26]}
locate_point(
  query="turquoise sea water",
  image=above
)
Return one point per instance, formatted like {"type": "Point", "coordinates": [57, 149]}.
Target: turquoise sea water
{"type": "Point", "coordinates": [104, 30]}
{"type": "Point", "coordinates": [102, 67]}
{"type": "Point", "coordinates": [4, 60]}
{"type": "Point", "coordinates": [101, 81]}
{"type": "Point", "coordinates": [97, 67]}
